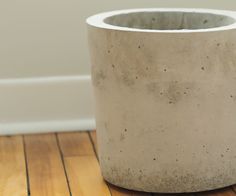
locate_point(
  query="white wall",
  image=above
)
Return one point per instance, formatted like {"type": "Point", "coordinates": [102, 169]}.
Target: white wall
{"type": "Point", "coordinates": [48, 37]}
{"type": "Point", "coordinates": [44, 60]}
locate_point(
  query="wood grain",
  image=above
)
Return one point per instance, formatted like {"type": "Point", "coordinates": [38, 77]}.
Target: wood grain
{"type": "Point", "coordinates": [84, 176]}
{"type": "Point", "coordinates": [45, 167]}
{"type": "Point", "coordinates": [81, 165]}
{"type": "Point", "coordinates": [12, 167]}
{"type": "Point", "coordinates": [75, 144]}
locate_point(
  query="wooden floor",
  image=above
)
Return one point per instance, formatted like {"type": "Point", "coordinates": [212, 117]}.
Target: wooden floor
{"type": "Point", "coordinates": [60, 164]}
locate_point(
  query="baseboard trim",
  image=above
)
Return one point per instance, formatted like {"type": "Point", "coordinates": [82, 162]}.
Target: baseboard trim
{"type": "Point", "coordinates": [47, 127]}
{"type": "Point", "coordinates": [46, 104]}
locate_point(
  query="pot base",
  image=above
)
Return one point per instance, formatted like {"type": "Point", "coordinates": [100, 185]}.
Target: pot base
{"type": "Point", "coordinates": [166, 191]}
{"type": "Point", "coordinates": [165, 184]}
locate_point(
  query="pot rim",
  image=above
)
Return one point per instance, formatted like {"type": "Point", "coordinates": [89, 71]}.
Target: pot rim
{"type": "Point", "coordinates": [98, 20]}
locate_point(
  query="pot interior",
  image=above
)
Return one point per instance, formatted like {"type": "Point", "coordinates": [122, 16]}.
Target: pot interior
{"type": "Point", "coordinates": [166, 20]}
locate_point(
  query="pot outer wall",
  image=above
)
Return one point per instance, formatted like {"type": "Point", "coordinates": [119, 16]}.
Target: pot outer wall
{"type": "Point", "coordinates": [165, 108]}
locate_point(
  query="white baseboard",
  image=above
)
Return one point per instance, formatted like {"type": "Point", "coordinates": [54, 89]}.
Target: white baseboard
{"type": "Point", "coordinates": [47, 104]}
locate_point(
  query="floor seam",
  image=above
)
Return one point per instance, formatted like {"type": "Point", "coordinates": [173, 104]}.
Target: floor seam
{"type": "Point", "coordinates": [94, 149]}
{"type": "Point", "coordinates": [26, 166]}
{"type": "Point", "coordinates": [63, 163]}
{"type": "Point", "coordinates": [93, 145]}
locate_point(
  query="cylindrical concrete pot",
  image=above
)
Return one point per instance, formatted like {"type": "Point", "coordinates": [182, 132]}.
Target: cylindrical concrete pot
{"type": "Point", "coordinates": [165, 92]}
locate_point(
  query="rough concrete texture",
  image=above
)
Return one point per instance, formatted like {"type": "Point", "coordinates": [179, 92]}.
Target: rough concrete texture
{"type": "Point", "coordinates": [166, 101]}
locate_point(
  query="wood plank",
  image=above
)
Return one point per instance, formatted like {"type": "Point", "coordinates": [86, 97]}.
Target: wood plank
{"type": "Point", "coordinates": [45, 167]}
{"type": "Point", "coordinates": [84, 176]}
{"type": "Point", "coordinates": [116, 191]}
{"type": "Point", "coordinates": [12, 167]}
{"type": "Point", "coordinates": [75, 144]}
{"type": "Point", "coordinates": [81, 165]}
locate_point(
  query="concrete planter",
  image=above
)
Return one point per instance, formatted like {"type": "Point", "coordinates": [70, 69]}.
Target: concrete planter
{"type": "Point", "coordinates": [165, 91]}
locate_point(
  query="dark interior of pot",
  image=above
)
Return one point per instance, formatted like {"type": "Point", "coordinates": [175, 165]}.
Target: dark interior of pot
{"type": "Point", "coordinates": [164, 20]}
